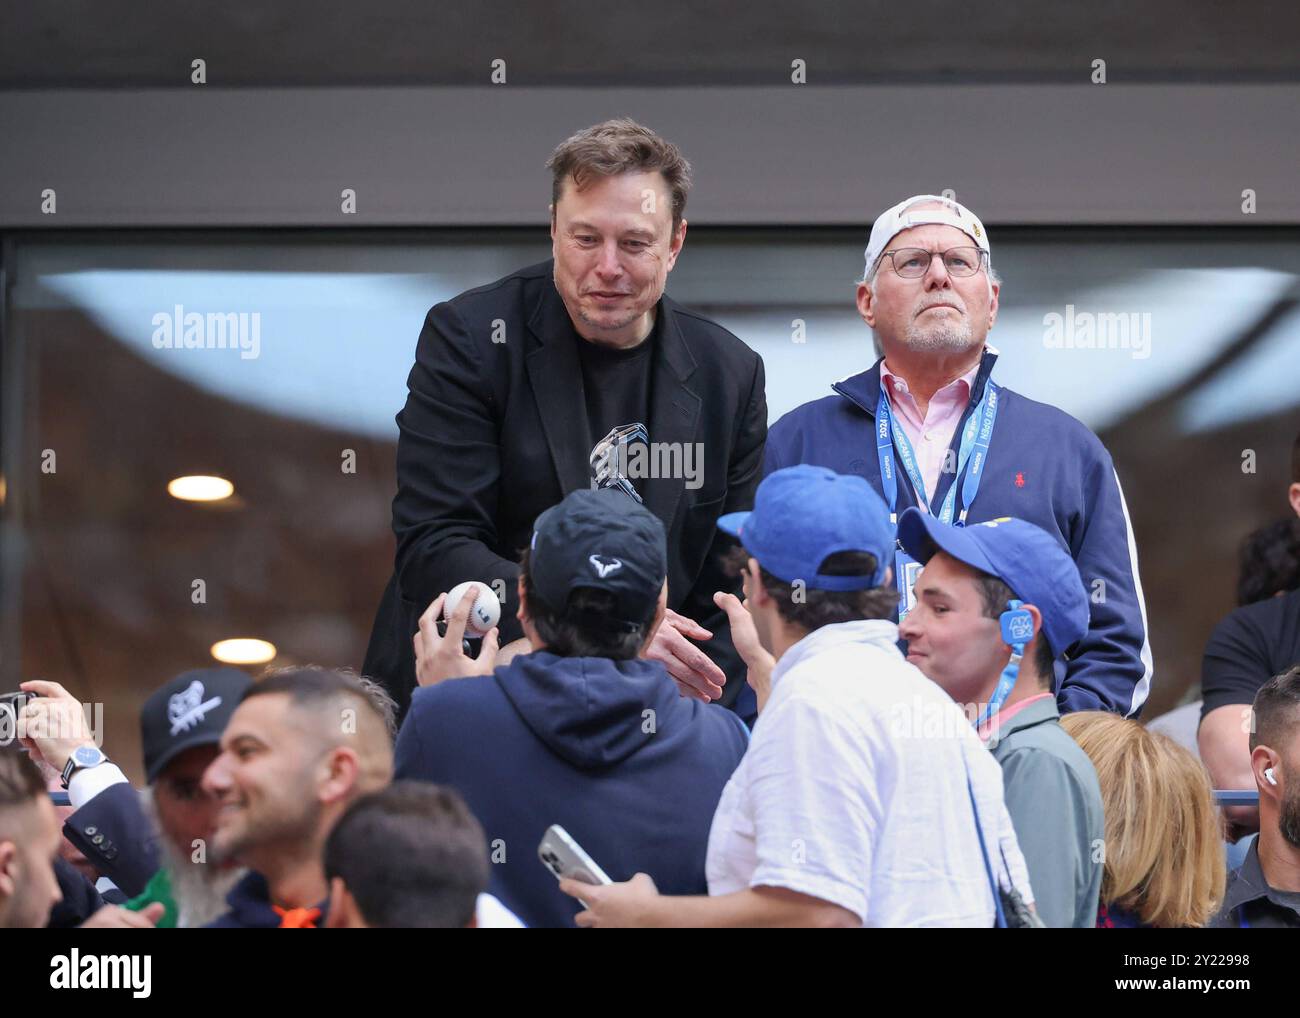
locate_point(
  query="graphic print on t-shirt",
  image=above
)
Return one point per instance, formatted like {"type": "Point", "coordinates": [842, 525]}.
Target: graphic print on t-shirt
{"type": "Point", "coordinates": [611, 455]}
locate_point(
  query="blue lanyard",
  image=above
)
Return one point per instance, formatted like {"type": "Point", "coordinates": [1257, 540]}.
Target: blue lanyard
{"type": "Point", "coordinates": [1004, 686]}
{"type": "Point", "coordinates": [971, 457]}
{"type": "Point", "coordinates": [999, 916]}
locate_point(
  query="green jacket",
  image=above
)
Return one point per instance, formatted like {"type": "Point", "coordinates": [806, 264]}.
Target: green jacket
{"type": "Point", "coordinates": [1054, 799]}
{"type": "Point", "coordinates": [158, 889]}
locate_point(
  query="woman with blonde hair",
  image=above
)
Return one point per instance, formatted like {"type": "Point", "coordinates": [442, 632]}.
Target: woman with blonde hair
{"type": "Point", "coordinates": [1164, 861]}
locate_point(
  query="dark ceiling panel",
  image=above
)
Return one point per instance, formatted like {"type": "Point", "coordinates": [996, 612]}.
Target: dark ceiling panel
{"type": "Point", "coordinates": [148, 43]}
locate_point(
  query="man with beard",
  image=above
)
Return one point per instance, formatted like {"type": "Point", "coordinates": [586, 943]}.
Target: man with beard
{"type": "Point", "coordinates": [927, 426]}
{"type": "Point", "coordinates": [1265, 891]}
{"type": "Point", "coordinates": [182, 725]}
{"type": "Point", "coordinates": [303, 744]}
{"type": "Point", "coordinates": [151, 844]}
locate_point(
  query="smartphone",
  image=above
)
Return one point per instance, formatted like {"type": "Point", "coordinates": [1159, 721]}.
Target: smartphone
{"type": "Point", "coordinates": [14, 702]}
{"type": "Point", "coordinates": [564, 857]}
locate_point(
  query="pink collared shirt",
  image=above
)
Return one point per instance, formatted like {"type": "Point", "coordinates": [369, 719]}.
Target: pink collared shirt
{"type": "Point", "coordinates": [932, 434]}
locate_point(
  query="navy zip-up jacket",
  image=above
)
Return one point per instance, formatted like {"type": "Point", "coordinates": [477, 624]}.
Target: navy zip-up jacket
{"type": "Point", "coordinates": [1043, 466]}
{"type": "Point", "coordinates": [609, 750]}
{"type": "Point", "coordinates": [251, 908]}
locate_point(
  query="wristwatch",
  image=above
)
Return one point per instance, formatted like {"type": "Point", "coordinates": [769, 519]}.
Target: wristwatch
{"type": "Point", "coordinates": [82, 758]}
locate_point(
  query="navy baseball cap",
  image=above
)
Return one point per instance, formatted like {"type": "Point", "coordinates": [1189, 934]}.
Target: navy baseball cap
{"type": "Point", "coordinates": [600, 539]}
{"type": "Point", "coordinates": [1024, 557]}
{"type": "Point", "coordinates": [190, 710]}
{"type": "Point", "coordinates": [804, 514]}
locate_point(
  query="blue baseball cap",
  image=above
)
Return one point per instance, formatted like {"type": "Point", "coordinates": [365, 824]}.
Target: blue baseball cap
{"type": "Point", "coordinates": [1024, 557]}
{"type": "Point", "coordinates": [804, 514]}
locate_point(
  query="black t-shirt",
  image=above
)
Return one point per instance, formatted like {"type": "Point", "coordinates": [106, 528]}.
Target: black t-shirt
{"type": "Point", "coordinates": [1248, 648]}
{"type": "Point", "coordinates": [617, 388]}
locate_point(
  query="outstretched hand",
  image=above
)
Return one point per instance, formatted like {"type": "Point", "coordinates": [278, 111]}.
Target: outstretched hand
{"type": "Point", "coordinates": [612, 905]}
{"type": "Point", "coordinates": [443, 657]}
{"type": "Point", "coordinates": [744, 635]}
{"type": "Point", "coordinates": [693, 671]}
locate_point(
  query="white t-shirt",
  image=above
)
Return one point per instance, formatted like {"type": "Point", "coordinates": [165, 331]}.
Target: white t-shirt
{"type": "Point", "coordinates": [854, 791]}
{"type": "Point", "coordinates": [490, 914]}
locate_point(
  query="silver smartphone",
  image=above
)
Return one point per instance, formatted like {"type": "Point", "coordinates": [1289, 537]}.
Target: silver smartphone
{"type": "Point", "coordinates": [564, 857]}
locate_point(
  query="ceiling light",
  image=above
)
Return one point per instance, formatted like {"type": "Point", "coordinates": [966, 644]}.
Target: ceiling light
{"type": "Point", "coordinates": [243, 651]}
{"type": "Point", "coordinates": [200, 488]}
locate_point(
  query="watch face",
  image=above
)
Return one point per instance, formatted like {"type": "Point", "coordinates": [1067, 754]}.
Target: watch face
{"type": "Point", "coordinates": [87, 756]}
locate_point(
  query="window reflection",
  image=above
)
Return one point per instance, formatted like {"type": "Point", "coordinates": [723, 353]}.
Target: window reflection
{"type": "Point", "coordinates": [110, 585]}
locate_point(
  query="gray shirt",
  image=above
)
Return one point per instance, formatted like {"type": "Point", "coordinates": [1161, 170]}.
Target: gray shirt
{"type": "Point", "coordinates": [1054, 799]}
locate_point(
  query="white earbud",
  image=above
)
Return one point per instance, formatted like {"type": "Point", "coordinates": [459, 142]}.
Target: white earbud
{"type": "Point", "coordinates": [1268, 776]}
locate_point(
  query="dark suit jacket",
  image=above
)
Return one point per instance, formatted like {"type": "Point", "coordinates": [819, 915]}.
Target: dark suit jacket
{"type": "Point", "coordinates": [80, 900]}
{"type": "Point", "coordinates": [494, 432]}
{"type": "Point", "coordinates": [114, 833]}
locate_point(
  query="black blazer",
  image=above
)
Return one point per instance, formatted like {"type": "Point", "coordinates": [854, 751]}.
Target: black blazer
{"type": "Point", "coordinates": [80, 900]}
{"type": "Point", "coordinates": [114, 833]}
{"type": "Point", "coordinates": [494, 432]}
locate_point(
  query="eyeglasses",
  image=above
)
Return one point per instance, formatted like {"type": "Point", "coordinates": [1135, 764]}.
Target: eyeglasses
{"type": "Point", "coordinates": [914, 262]}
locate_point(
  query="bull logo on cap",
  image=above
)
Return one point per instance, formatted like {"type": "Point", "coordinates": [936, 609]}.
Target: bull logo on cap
{"type": "Point", "coordinates": [604, 565]}
{"type": "Point", "coordinates": [187, 708]}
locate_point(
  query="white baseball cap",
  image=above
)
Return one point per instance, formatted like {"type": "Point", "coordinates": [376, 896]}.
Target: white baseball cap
{"type": "Point", "coordinates": [905, 215]}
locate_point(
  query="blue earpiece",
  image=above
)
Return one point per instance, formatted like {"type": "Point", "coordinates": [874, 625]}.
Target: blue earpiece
{"type": "Point", "coordinates": [1017, 626]}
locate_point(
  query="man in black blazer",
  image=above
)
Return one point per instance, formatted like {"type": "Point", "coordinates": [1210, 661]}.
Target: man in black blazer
{"type": "Point", "coordinates": [578, 372]}
{"type": "Point", "coordinates": [147, 844]}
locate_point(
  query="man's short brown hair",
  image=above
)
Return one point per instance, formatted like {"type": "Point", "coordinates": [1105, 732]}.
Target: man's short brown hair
{"type": "Point", "coordinates": [20, 779]}
{"type": "Point", "coordinates": [811, 609]}
{"type": "Point", "coordinates": [311, 687]}
{"type": "Point", "coordinates": [1276, 710]}
{"type": "Point", "coordinates": [620, 146]}
{"type": "Point", "coordinates": [411, 855]}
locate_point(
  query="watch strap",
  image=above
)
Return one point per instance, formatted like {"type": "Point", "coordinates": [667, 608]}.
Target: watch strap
{"type": "Point", "coordinates": [71, 767]}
